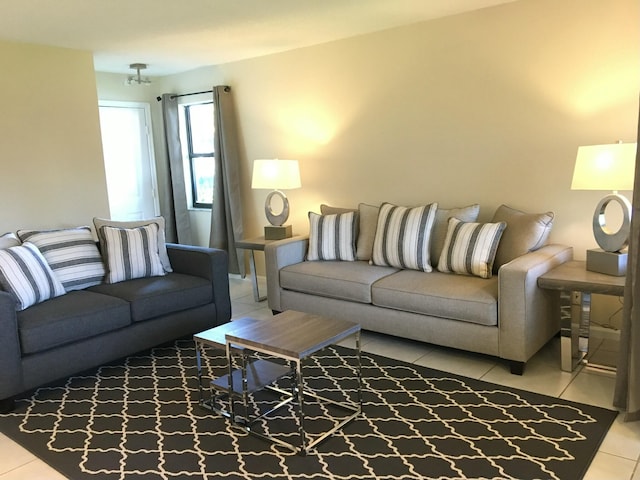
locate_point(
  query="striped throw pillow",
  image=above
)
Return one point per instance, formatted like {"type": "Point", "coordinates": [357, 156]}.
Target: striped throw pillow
{"type": "Point", "coordinates": [24, 272]}
{"type": "Point", "coordinates": [470, 248]}
{"type": "Point", "coordinates": [71, 253]}
{"type": "Point", "coordinates": [332, 237]}
{"type": "Point", "coordinates": [403, 236]}
{"type": "Point", "coordinates": [131, 253]}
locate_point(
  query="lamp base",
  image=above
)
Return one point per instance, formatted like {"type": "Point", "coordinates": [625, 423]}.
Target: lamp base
{"type": "Point", "coordinates": [609, 263]}
{"type": "Point", "coordinates": [272, 232]}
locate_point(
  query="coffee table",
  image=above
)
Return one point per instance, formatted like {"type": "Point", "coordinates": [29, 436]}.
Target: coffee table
{"type": "Point", "coordinates": [260, 374]}
{"type": "Point", "coordinates": [292, 337]}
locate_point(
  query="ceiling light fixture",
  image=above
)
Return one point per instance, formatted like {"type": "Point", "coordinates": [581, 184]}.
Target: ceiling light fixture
{"type": "Point", "coordinates": [137, 79]}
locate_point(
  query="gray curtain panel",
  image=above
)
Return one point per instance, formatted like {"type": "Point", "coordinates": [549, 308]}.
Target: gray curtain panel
{"type": "Point", "coordinates": [627, 390]}
{"type": "Point", "coordinates": [226, 211]}
{"type": "Point", "coordinates": [178, 224]}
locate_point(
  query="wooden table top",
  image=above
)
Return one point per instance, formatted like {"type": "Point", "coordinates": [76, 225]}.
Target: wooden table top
{"type": "Point", "coordinates": [293, 335]}
{"type": "Point", "coordinates": [216, 336]}
{"type": "Point", "coordinates": [574, 276]}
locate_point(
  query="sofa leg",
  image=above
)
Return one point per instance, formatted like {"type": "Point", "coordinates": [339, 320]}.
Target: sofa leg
{"type": "Point", "coordinates": [7, 405]}
{"type": "Point", "coordinates": [517, 368]}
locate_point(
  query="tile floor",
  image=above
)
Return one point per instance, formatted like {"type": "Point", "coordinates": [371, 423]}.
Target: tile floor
{"type": "Point", "coordinates": [618, 455]}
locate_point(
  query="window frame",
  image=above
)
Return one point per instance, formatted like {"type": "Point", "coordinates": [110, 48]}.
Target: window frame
{"type": "Point", "coordinates": [191, 156]}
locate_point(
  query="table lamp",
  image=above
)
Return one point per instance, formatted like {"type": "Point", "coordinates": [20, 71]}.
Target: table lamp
{"type": "Point", "coordinates": [607, 167]}
{"type": "Point", "coordinates": [276, 175]}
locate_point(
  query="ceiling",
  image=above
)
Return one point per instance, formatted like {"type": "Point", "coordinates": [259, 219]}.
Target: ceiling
{"type": "Point", "coordinates": [173, 36]}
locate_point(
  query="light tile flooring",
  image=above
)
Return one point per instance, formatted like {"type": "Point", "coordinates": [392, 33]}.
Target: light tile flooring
{"type": "Point", "coordinates": [618, 455]}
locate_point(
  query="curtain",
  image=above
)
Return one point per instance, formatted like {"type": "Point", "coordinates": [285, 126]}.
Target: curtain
{"type": "Point", "coordinates": [174, 209]}
{"type": "Point", "coordinates": [627, 390]}
{"type": "Point", "coordinates": [226, 211]}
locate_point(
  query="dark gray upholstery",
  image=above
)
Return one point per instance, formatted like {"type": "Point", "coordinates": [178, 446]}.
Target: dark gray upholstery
{"type": "Point", "coordinates": [150, 297]}
{"type": "Point", "coordinates": [68, 318]}
{"type": "Point", "coordinates": [87, 328]}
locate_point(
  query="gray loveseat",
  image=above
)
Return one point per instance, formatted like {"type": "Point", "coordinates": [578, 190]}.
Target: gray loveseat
{"type": "Point", "coordinates": [506, 315]}
{"type": "Point", "coordinates": [89, 327]}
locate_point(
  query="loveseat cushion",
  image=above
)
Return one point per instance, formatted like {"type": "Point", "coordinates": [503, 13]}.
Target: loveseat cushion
{"type": "Point", "coordinates": [153, 296]}
{"type": "Point", "coordinates": [77, 315]}
{"type": "Point", "coordinates": [465, 298]}
{"type": "Point", "coordinates": [344, 280]}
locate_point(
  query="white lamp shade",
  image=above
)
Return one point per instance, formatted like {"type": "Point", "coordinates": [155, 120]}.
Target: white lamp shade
{"type": "Point", "coordinates": [276, 174]}
{"type": "Point", "coordinates": [605, 167]}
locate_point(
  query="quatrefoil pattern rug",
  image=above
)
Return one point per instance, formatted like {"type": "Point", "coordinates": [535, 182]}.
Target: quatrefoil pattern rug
{"type": "Point", "coordinates": [140, 418]}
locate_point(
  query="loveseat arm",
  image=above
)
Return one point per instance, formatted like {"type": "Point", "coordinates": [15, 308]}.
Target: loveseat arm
{"type": "Point", "coordinates": [209, 263]}
{"type": "Point", "coordinates": [278, 255]}
{"type": "Point", "coordinates": [10, 352]}
{"type": "Point", "coordinates": [526, 315]}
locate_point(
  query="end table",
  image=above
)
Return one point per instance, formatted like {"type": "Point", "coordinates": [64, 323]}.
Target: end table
{"type": "Point", "coordinates": [572, 279]}
{"type": "Point", "coordinates": [254, 244]}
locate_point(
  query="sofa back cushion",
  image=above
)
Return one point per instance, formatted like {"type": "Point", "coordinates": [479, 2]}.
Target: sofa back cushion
{"type": "Point", "coordinates": [441, 225]}
{"type": "Point", "coordinates": [71, 253]}
{"type": "Point", "coordinates": [98, 223]}
{"type": "Point", "coordinates": [25, 274]}
{"type": "Point", "coordinates": [333, 237]}
{"type": "Point", "coordinates": [9, 239]}
{"type": "Point", "coordinates": [525, 233]}
{"type": "Point", "coordinates": [470, 248]}
{"type": "Point", "coordinates": [131, 253]}
{"type": "Point", "coordinates": [367, 223]}
{"type": "Point", "coordinates": [402, 237]}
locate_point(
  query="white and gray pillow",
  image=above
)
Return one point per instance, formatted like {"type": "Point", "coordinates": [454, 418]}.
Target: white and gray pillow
{"type": "Point", "coordinates": [131, 252]}
{"type": "Point", "coordinates": [98, 223]}
{"type": "Point", "coordinates": [8, 240]}
{"type": "Point", "coordinates": [71, 253]}
{"type": "Point", "coordinates": [332, 237]}
{"type": "Point", "coordinates": [470, 248]}
{"type": "Point", "coordinates": [441, 225]}
{"type": "Point", "coordinates": [25, 274]}
{"type": "Point", "coordinates": [403, 235]}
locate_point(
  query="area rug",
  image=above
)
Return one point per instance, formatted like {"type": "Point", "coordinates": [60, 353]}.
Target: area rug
{"type": "Point", "coordinates": [140, 419]}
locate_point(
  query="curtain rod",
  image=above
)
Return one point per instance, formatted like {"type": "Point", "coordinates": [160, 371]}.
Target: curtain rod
{"type": "Point", "coordinates": [226, 89]}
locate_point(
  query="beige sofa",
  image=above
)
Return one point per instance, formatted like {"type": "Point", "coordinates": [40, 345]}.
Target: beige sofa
{"type": "Point", "coordinates": [505, 315]}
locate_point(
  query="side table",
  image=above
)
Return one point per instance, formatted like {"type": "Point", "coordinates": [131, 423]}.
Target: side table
{"type": "Point", "coordinates": [573, 280]}
{"type": "Point", "coordinates": [254, 244]}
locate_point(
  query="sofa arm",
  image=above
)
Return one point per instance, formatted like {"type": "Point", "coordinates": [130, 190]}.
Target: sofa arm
{"type": "Point", "coordinates": [278, 255]}
{"type": "Point", "coordinates": [209, 263]}
{"type": "Point", "coordinates": [526, 315]}
{"type": "Point", "coordinates": [10, 352]}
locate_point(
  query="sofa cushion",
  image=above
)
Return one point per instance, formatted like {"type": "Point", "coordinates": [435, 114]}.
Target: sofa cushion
{"type": "Point", "coordinates": [367, 223]}
{"type": "Point", "coordinates": [77, 315]}
{"type": "Point", "coordinates": [441, 225]}
{"type": "Point", "coordinates": [525, 232]}
{"type": "Point", "coordinates": [403, 236]}
{"type": "Point", "coordinates": [154, 296]}
{"type": "Point", "coordinates": [25, 274]}
{"type": "Point", "coordinates": [71, 253]}
{"type": "Point", "coordinates": [332, 237]}
{"type": "Point", "coordinates": [98, 223]}
{"type": "Point", "coordinates": [464, 298]}
{"type": "Point", "coordinates": [9, 239]}
{"type": "Point", "coordinates": [470, 248]}
{"type": "Point", "coordinates": [131, 253]}
{"type": "Point", "coordinates": [344, 280]}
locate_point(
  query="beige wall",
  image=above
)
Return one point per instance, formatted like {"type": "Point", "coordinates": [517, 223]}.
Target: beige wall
{"type": "Point", "coordinates": [486, 107]}
{"type": "Point", "coordinates": [50, 147]}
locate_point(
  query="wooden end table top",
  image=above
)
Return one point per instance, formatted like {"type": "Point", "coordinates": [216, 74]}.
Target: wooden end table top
{"type": "Point", "coordinates": [574, 276]}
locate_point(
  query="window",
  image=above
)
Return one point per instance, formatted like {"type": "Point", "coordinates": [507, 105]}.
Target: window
{"type": "Point", "coordinates": [198, 151]}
